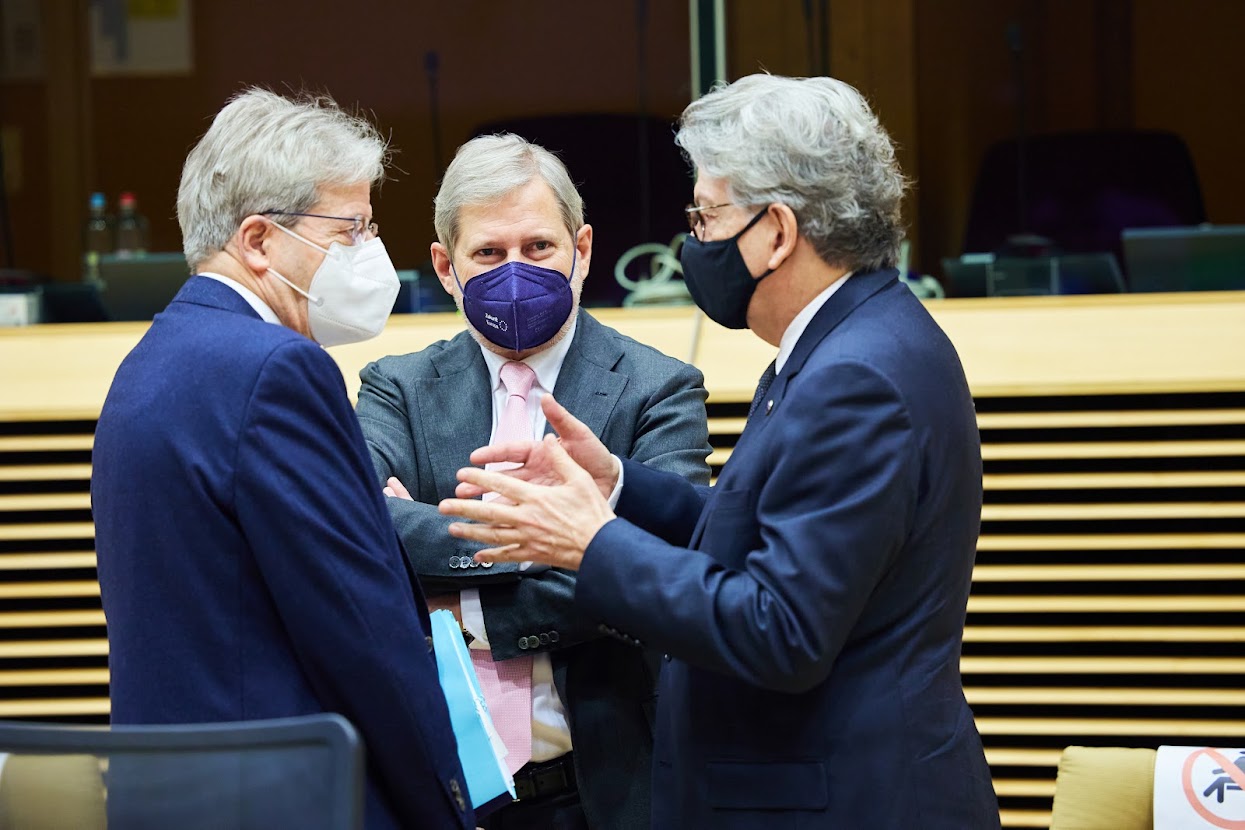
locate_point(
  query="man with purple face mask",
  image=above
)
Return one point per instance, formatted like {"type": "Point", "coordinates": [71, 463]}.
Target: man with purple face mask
{"type": "Point", "coordinates": [573, 707]}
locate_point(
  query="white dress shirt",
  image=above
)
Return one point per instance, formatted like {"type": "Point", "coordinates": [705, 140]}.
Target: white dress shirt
{"type": "Point", "coordinates": [252, 299]}
{"type": "Point", "coordinates": [551, 734]}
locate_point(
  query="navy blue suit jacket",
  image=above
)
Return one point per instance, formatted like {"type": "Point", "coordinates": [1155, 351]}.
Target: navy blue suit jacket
{"type": "Point", "coordinates": [812, 602]}
{"type": "Point", "coordinates": [248, 565]}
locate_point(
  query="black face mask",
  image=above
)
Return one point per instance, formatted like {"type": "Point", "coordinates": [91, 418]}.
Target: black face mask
{"type": "Point", "coordinates": [718, 278]}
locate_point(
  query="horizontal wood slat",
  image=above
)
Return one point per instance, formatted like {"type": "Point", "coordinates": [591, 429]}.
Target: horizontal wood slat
{"type": "Point", "coordinates": [50, 619]}
{"type": "Point", "coordinates": [1120, 696]}
{"type": "Point", "coordinates": [1104, 603]}
{"type": "Point", "coordinates": [1107, 573]}
{"type": "Point", "coordinates": [1103, 634]}
{"type": "Point", "coordinates": [47, 530]}
{"type": "Point", "coordinates": [1103, 481]}
{"type": "Point", "coordinates": [1116, 419]}
{"type": "Point", "coordinates": [1113, 541]}
{"type": "Point", "coordinates": [1083, 512]}
{"type": "Point", "coordinates": [55, 648]}
{"type": "Point", "coordinates": [45, 472]}
{"type": "Point", "coordinates": [1113, 449]}
{"type": "Point", "coordinates": [54, 677]}
{"type": "Point", "coordinates": [46, 501]}
{"type": "Point", "coordinates": [1103, 665]}
{"type": "Point", "coordinates": [46, 443]}
{"type": "Point", "coordinates": [57, 707]}
{"type": "Point", "coordinates": [50, 561]}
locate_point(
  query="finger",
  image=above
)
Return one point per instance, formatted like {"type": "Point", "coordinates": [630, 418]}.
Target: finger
{"type": "Point", "coordinates": [563, 422]}
{"type": "Point", "coordinates": [510, 553]}
{"type": "Point", "coordinates": [563, 464]}
{"type": "Point", "coordinates": [489, 512]}
{"type": "Point", "coordinates": [388, 491]}
{"type": "Point", "coordinates": [516, 452]}
{"type": "Point", "coordinates": [494, 535]}
{"type": "Point", "coordinates": [399, 489]}
{"type": "Point", "coordinates": [496, 482]}
{"type": "Point", "coordinates": [468, 491]}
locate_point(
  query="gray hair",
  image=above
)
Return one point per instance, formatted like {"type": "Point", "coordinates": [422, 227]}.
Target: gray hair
{"type": "Point", "coordinates": [488, 167]}
{"type": "Point", "coordinates": [811, 144]}
{"type": "Point", "coordinates": [265, 152]}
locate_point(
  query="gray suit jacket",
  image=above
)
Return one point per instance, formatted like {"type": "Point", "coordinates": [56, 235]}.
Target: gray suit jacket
{"type": "Point", "coordinates": [422, 414]}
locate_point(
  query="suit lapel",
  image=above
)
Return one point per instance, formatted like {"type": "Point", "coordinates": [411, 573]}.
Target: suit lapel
{"type": "Point", "coordinates": [851, 294]}
{"type": "Point", "coordinates": [455, 411]}
{"type": "Point", "coordinates": [587, 385]}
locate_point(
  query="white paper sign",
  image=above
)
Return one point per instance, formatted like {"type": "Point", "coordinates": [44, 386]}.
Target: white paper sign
{"type": "Point", "coordinates": [1199, 787]}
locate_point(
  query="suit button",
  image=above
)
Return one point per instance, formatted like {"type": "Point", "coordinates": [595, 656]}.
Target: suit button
{"type": "Point", "coordinates": [429, 641]}
{"type": "Point", "coordinates": [523, 643]}
{"type": "Point", "coordinates": [458, 794]}
{"type": "Point", "coordinates": [453, 561]}
{"type": "Point", "coordinates": [603, 628]}
{"type": "Point", "coordinates": [666, 657]}
{"type": "Point", "coordinates": [486, 564]}
{"type": "Point", "coordinates": [544, 639]}
{"type": "Point", "coordinates": [553, 636]}
{"type": "Point", "coordinates": [474, 563]}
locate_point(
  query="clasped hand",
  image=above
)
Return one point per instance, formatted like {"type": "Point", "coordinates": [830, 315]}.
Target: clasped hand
{"type": "Point", "coordinates": [551, 507]}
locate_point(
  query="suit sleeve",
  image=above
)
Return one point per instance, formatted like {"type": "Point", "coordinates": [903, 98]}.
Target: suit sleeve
{"type": "Point", "coordinates": [671, 439]}
{"type": "Point", "coordinates": [832, 510]}
{"type": "Point", "coordinates": [434, 554]}
{"type": "Point", "coordinates": [308, 504]}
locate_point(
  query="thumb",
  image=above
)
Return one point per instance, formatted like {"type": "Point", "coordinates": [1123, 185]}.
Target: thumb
{"type": "Point", "coordinates": [563, 422]}
{"type": "Point", "coordinates": [563, 464]}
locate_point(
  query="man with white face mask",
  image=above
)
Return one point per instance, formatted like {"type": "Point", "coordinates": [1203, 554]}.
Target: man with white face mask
{"type": "Point", "coordinates": [248, 565]}
{"type": "Point", "coordinates": [573, 706]}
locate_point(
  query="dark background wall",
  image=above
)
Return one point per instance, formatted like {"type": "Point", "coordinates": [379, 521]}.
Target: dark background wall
{"type": "Point", "coordinates": [939, 73]}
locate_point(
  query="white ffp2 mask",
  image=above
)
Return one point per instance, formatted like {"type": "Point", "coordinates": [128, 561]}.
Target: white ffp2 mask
{"type": "Point", "coordinates": [351, 293]}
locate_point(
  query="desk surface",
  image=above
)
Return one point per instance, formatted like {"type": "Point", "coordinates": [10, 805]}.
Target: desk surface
{"type": "Point", "coordinates": [1018, 346]}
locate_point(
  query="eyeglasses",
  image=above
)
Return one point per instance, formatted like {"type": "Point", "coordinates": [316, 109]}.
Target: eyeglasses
{"type": "Point", "coordinates": [361, 230]}
{"type": "Point", "coordinates": [696, 220]}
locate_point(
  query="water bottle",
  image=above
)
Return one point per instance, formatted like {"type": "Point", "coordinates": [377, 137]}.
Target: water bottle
{"type": "Point", "coordinates": [131, 228]}
{"type": "Point", "coordinates": [98, 237]}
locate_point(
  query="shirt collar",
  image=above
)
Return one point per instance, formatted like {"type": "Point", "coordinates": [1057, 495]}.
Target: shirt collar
{"type": "Point", "coordinates": [252, 299]}
{"type": "Point", "coordinates": [547, 364]}
{"type": "Point", "coordinates": [792, 335]}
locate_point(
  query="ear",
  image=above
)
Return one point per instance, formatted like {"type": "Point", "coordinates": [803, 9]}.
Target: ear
{"type": "Point", "coordinates": [583, 252]}
{"type": "Point", "coordinates": [441, 264]}
{"type": "Point", "coordinates": [252, 237]}
{"type": "Point", "coordinates": [786, 238]}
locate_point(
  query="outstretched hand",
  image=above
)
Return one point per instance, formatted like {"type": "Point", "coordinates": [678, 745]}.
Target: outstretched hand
{"type": "Point", "coordinates": [579, 443]}
{"type": "Point", "coordinates": [553, 515]}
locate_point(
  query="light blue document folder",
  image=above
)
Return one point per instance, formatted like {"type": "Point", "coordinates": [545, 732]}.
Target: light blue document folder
{"type": "Point", "coordinates": [489, 783]}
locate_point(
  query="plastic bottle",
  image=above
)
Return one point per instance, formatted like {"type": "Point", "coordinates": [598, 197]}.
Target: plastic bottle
{"type": "Point", "coordinates": [131, 228]}
{"type": "Point", "coordinates": [97, 237]}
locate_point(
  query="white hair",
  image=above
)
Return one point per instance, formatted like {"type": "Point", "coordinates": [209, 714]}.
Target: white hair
{"type": "Point", "coordinates": [265, 152]}
{"type": "Point", "coordinates": [488, 167]}
{"type": "Point", "coordinates": [811, 144]}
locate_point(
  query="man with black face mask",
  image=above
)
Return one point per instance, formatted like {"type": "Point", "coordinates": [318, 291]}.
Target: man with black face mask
{"type": "Point", "coordinates": [573, 707]}
{"type": "Point", "coordinates": [811, 604]}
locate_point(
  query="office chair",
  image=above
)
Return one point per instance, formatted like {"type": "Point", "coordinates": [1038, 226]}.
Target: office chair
{"type": "Point", "coordinates": [1104, 788]}
{"type": "Point", "coordinates": [304, 772]}
{"type": "Point", "coordinates": [1082, 189]}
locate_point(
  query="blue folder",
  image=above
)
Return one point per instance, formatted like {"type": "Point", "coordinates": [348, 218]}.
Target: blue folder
{"type": "Point", "coordinates": [489, 783]}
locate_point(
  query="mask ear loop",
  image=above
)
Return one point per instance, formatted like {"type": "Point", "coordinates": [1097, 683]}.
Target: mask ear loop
{"type": "Point", "coordinates": [319, 301]}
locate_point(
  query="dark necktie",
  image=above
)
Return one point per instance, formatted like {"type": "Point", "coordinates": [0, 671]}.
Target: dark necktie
{"type": "Point", "coordinates": [767, 377]}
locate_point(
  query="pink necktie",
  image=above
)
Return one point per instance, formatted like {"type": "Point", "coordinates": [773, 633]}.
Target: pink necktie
{"type": "Point", "coordinates": [507, 685]}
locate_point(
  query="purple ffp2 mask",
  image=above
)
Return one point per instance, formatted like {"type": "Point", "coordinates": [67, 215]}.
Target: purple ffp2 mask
{"type": "Point", "coordinates": [517, 305]}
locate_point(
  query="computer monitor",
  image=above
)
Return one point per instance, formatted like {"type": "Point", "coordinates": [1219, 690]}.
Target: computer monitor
{"type": "Point", "coordinates": [1198, 258]}
{"type": "Point", "coordinates": [987, 275]}
{"type": "Point", "coordinates": [138, 288]}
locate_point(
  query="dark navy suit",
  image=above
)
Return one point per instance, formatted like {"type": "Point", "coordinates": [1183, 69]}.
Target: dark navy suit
{"type": "Point", "coordinates": [815, 623]}
{"type": "Point", "coordinates": [248, 565]}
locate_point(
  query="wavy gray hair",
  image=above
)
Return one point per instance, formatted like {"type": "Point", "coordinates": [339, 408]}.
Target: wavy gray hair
{"type": "Point", "coordinates": [488, 167]}
{"type": "Point", "coordinates": [811, 144]}
{"type": "Point", "coordinates": [266, 152]}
